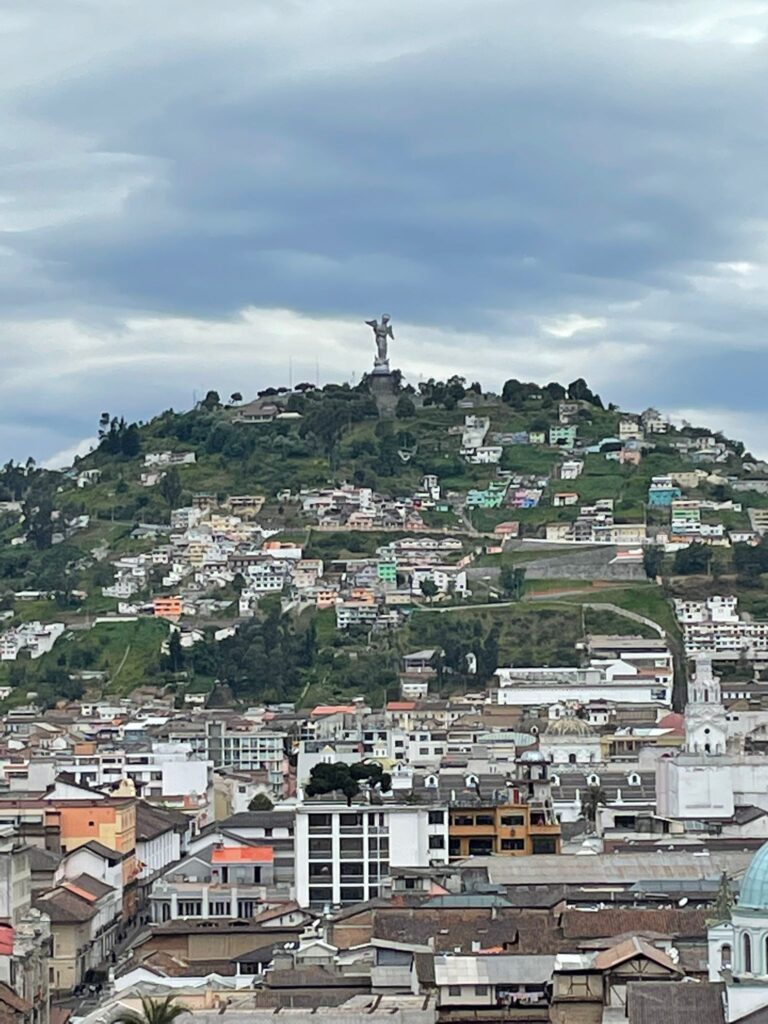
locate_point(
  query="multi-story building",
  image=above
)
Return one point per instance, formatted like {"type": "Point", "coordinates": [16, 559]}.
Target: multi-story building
{"type": "Point", "coordinates": [344, 854]}
{"type": "Point", "coordinates": [715, 627]}
{"type": "Point", "coordinates": [562, 436]}
{"type": "Point", "coordinates": [662, 492]}
{"type": "Point", "coordinates": [506, 830]}
{"type": "Point", "coordinates": [248, 749]}
{"type": "Point", "coordinates": [617, 682]}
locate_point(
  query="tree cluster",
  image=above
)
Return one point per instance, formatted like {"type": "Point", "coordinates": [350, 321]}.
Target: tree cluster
{"type": "Point", "coordinates": [348, 779]}
{"type": "Point", "coordinates": [516, 393]}
{"type": "Point", "coordinates": [693, 560]}
{"type": "Point", "coordinates": [117, 437]}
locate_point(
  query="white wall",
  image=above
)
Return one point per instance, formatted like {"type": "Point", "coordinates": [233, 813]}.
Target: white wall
{"type": "Point", "coordinates": [639, 693]}
{"type": "Point", "coordinates": [694, 791]}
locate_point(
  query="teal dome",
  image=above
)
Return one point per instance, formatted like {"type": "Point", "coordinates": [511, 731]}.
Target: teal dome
{"type": "Point", "coordinates": [754, 886]}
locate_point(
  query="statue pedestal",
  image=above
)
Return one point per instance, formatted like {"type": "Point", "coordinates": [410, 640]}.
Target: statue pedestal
{"type": "Point", "coordinates": [382, 384]}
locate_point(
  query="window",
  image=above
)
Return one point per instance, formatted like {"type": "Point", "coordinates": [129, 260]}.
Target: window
{"type": "Point", "coordinates": [423, 750]}
{"type": "Point", "coordinates": [510, 820]}
{"type": "Point", "coordinates": [352, 869]}
{"type": "Point", "coordinates": [463, 819]}
{"type": "Point", "coordinates": [454, 990]}
{"type": "Point", "coordinates": [320, 894]}
{"type": "Point", "coordinates": [320, 870]}
{"type": "Point", "coordinates": [484, 819]}
{"type": "Point", "coordinates": [482, 846]}
{"type": "Point", "coordinates": [350, 820]}
{"type": "Point", "coordinates": [436, 843]}
{"type": "Point", "coordinates": [481, 990]}
{"type": "Point", "coordinates": [747, 951]}
{"type": "Point", "coordinates": [321, 847]}
{"type": "Point", "coordinates": [436, 817]}
{"type": "Point", "coordinates": [513, 844]}
{"type": "Point", "coordinates": [726, 957]}
{"type": "Point", "coordinates": [319, 823]}
{"type": "Point", "coordinates": [352, 894]}
{"type": "Point", "coordinates": [352, 847]}
{"type": "Point", "coordinates": [543, 844]}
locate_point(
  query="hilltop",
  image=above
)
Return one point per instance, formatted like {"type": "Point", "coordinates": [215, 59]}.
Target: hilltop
{"type": "Point", "coordinates": [597, 505]}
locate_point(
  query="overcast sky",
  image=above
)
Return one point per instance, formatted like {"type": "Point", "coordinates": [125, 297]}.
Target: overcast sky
{"type": "Point", "coordinates": [192, 193]}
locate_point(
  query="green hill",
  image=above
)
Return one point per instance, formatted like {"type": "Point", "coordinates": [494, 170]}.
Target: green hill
{"type": "Point", "coordinates": [313, 438]}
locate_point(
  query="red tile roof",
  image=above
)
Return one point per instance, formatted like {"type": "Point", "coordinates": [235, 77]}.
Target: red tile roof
{"type": "Point", "coordinates": [333, 709]}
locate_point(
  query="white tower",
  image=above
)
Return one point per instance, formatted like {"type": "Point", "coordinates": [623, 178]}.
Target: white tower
{"type": "Point", "coordinates": [706, 728]}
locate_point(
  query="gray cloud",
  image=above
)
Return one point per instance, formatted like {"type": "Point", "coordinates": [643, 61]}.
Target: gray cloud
{"type": "Point", "coordinates": [482, 175]}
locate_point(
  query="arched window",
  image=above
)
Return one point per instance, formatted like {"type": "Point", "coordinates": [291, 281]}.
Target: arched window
{"type": "Point", "coordinates": [726, 957]}
{"type": "Point", "coordinates": [571, 759]}
{"type": "Point", "coordinates": [747, 951]}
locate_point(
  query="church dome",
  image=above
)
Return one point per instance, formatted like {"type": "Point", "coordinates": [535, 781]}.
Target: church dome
{"type": "Point", "coordinates": [568, 725]}
{"type": "Point", "coordinates": [754, 886]}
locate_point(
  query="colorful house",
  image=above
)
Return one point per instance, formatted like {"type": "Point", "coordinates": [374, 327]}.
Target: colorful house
{"type": "Point", "coordinates": [562, 436]}
{"type": "Point", "coordinates": [663, 492]}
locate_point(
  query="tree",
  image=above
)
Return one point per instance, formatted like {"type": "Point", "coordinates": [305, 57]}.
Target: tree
{"type": "Point", "coordinates": [429, 589]}
{"type": "Point", "coordinates": [344, 778]}
{"type": "Point", "coordinates": [131, 441]}
{"type": "Point", "coordinates": [211, 401]}
{"type": "Point", "coordinates": [511, 581]}
{"type": "Point", "coordinates": [405, 408]}
{"type": "Point", "coordinates": [261, 802]}
{"type": "Point", "coordinates": [235, 397]}
{"type": "Point", "coordinates": [579, 391]}
{"type": "Point", "coordinates": [555, 391]}
{"type": "Point", "coordinates": [652, 562]}
{"type": "Point", "coordinates": [38, 518]}
{"type": "Point", "coordinates": [170, 487]}
{"type": "Point", "coordinates": [175, 652]}
{"type": "Point", "coordinates": [692, 560]}
{"type": "Point", "coordinates": [238, 583]}
{"type": "Point", "coordinates": [153, 1011]}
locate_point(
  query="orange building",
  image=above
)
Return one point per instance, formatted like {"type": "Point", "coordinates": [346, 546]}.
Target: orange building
{"type": "Point", "coordinates": [110, 821]}
{"type": "Point", "coordinates": [507, 830]}
{"type": "Point", "coordinates": [167, 608]}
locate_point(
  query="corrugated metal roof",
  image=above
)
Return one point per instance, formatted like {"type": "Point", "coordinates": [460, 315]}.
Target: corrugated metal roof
{"type": "Point", "coordinates": [493, 970]}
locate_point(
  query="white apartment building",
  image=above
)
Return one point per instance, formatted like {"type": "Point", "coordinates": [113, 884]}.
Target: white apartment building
{"type": "Point", "coordinates": [445, 578]}
{"type": "Point", "coordinates": [487, 454]}
{"type": "Point", "coordinates": [618, 682]}
{"type": "Point", "coordinates": [167, 770]}
{"type": "Point", "coordinates": [169, 458]}
{"type": "Point", "coordinates": [30, 636]}
{"type": "Point", "coordinates": [343, 854]}
{"type": "Point", "coordinates": [247, 750]}
{"type": "Point", "coordinates": [715, 627]}
{"type": "Point", "coordinates": [714, 610]}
